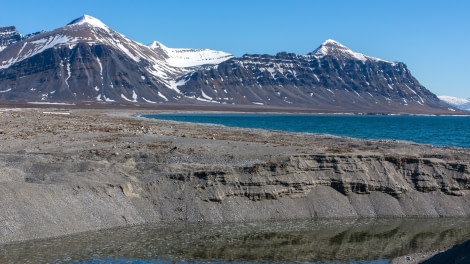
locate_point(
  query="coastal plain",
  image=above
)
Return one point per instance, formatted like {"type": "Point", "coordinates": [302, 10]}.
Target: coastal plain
{"type": "Point", "coordinates": [66, 171]}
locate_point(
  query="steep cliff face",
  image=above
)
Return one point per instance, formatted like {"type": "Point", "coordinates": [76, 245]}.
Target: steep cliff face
{"type": "Point", "coordinates": [309, 186]}
{"type": "Point", "coordinates": [71, 173]}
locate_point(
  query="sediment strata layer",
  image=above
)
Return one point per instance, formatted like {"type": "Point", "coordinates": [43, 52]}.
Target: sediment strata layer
{"type": "Point", "coordinates": [64, 172]}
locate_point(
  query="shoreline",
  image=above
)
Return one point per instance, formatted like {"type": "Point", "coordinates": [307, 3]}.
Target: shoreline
{"type": "Point", "coordinates": [227, 126]}
{"type": "Point", "coordinates": [207, 107]}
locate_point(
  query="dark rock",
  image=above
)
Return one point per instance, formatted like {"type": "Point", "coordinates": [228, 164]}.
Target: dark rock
{"type": "Point", "coordinates": [459, 254]}
{"type": "Point", "coordinates": [8, 36]}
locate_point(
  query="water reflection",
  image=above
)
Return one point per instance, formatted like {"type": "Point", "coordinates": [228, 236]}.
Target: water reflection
{"type": "Point", "coordinates": [287, 241]}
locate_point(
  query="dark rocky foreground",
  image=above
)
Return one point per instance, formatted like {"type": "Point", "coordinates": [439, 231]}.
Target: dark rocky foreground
{"type": "Point", "coordinates": [459, 254]}
{"type": "Point", "coordinates": [69, 171]}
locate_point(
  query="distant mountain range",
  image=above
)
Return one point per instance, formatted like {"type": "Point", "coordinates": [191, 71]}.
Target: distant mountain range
{"type": "Point", "coordinates": [459, 103]}
{"type": "Point", "coordinates": [86, 61]}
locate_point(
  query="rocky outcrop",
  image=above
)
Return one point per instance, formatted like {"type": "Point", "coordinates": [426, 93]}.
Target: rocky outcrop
{"type": "Point", "coordinates": [70, 172]}
{"type": "Point", "coordinates": [459, 254]}
{"type": "Point", "coordinates": [8, 36]}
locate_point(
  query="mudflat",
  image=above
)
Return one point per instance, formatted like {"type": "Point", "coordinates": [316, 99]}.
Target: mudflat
{"type": "Point", "coordinates": [65, 171]}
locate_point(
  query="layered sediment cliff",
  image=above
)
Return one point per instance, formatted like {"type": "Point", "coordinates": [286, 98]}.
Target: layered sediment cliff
{"type": "Point", "coordinates": [70, 171]}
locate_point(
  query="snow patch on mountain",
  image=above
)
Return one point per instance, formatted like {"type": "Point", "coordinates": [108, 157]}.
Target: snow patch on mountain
{"type": "Point", "coordinates": [185, 58]}
{"type": "Point", "coordinates": [163, 96]}
{"type": "Point", "coordinates": [460, 103]}
{"type": "Point", "coordinates": [6, 91]}
{"type": "Point", "coordinates": [29, 49]}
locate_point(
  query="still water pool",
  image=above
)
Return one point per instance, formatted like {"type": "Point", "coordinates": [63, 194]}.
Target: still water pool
{"type": "Point", "coordinates": [371, 241]}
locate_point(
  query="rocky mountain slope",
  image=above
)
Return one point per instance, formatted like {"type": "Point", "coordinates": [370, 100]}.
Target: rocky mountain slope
{"type": "Point", "coordinates": [88, 61]}
{"type": "Point", "coordinates": [331, 77]}
{"type": "Point", "coordinates": [9, 36]}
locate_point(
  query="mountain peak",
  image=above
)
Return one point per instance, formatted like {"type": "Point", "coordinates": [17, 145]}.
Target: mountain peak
{"type": "Point", "coordinates": [334, 48]}
{"type": "Point", "coordinates": [87, 19]}
{"type": "Point", "coordinates": [332, 42]}
{"type": "Point", "coordinates": [157, 45]}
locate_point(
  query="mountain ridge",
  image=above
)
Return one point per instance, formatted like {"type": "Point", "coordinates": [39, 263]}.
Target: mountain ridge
{"type": "Point", "coordinates": [460, 103]}
{"type": "Point", "coordinates": [86, 60]}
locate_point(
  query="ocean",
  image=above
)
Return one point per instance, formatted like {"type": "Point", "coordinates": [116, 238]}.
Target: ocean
{"type": "Point", "coordinates": [433, 130]}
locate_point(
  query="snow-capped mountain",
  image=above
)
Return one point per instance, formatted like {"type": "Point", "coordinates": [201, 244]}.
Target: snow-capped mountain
{"type": "Point", "coordinates": [331, 78]}
{"type": "Point", "coordinates": [86, 60]}
{"type": "Point", "coordinates": [460, 103]}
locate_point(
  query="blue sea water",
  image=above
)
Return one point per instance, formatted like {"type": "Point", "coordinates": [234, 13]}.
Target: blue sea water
{"type": "Point", "coordinates": [433, 130]}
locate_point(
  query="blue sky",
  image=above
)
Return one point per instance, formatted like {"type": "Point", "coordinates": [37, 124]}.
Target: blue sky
{"type": "Point", "coordinates": [431, 37]}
